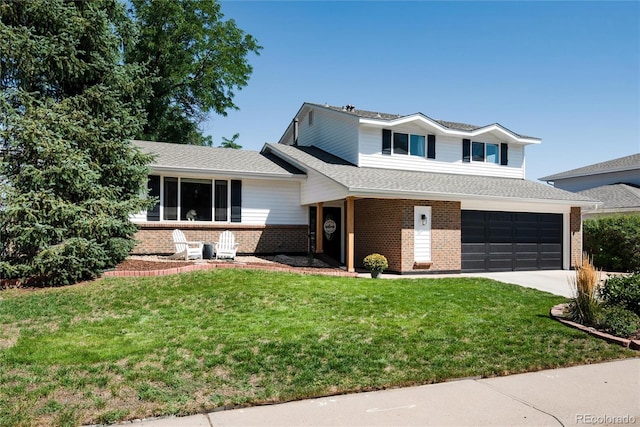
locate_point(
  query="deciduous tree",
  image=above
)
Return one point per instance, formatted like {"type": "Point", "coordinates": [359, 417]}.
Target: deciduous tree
{"type": "Point", "coordinates": [198, 61]}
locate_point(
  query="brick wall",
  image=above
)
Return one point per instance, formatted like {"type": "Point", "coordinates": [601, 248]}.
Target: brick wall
{"type": "Point", "coordinates": [386, 226]}
{"type": "Point", "coordinates": [575, 229]}
{"type": "Point", "coordinates": [155, 238]}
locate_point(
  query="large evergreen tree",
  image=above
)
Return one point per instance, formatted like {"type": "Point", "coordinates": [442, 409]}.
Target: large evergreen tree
{"type": "Point", "coordinates": [70, 178]}
{"type": "Point", "coordinates": [197, 60]}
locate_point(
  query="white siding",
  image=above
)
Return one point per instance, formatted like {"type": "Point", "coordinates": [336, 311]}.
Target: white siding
{"type": "Point", "coordinates": [318, 188]}
{"type": "Point", "coordinates": [332, 131]}
{"type": "Point", "coordinates": [139, 217]}
{"type": "Point", "coordinates": [448, 155]}
{"type": "Point", "coordinates": [263, 202]}
{"type": "Point", "coordinates": [272, 202]}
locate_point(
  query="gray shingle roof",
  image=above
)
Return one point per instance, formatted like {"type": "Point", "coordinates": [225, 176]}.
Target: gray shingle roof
{"type": "Point", "coordinates": [387, 116]}
{"type": "Point", "coordinates": [211, 159]}
{"type": "Point", "coordinates": [391, 181]}
{"type": "Point", "coordinates": [615, 165]}
{"type": "Point", "coordinates": [616, 196]}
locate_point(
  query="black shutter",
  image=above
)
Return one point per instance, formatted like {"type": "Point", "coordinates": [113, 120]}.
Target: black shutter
{"type": "Point", "coordinates": [504, 154]}
{"type": "Point", "coordinates": [386, 141]}
{"type": "Point", "coordinates": [466, 150]}
{"type": "Point", "coordinates": [431, 146]}
{"type": "Point", "coordinates": [236, 201]}
{"type": "Point", "coordinates": [153, 184]}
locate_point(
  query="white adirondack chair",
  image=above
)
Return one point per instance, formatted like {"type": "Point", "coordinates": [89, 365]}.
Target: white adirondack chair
{"type": "Point", "coordinates": [186, 249]}
{"type": "Point", "coordinates": [226, 246]}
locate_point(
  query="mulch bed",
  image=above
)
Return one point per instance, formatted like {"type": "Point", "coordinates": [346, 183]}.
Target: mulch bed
{"type": "Point", "coordinates": [144, 265]}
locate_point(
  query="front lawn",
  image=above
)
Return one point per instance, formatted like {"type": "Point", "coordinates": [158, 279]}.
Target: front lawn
{"type": "Point", "coordinates": [118, 349]}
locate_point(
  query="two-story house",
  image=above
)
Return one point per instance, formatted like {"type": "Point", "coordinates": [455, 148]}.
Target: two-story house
{"type": "Point", "coordinates": [615, 183]}
{"type": "Point", "coordinates": [431, 195]}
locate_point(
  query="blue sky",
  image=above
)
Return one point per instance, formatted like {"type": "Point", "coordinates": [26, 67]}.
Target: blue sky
{"type": "Point", "coordinates": [566, 72]}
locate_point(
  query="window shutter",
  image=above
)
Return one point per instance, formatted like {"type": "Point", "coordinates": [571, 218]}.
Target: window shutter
{"type": "Point", "coordinates": [386, 141]}
{"type": "Point", "coordinates": [466, 150]}
{"type": "Point", "coordinates": [504, 154]}
{"type": "Point", "coordinates": [236, 201]}
{"type": "Point", "coordinates": [153, 184]}
{"type": "Point", "coordinates": [431, 146]}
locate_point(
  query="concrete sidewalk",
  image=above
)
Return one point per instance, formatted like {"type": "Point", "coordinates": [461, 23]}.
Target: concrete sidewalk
{"type": "Point", "coordinates": [599, 394]}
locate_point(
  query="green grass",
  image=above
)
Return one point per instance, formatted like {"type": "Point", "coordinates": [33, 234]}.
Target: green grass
{"type": "Point", "coordinates": [118, 349]}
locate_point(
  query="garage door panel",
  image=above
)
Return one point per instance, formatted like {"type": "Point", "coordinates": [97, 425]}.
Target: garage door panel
{"type": "Point", "coordinates": [503, 241]}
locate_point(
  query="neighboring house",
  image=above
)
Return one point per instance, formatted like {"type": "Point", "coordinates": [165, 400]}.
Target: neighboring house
{"type": "Point", "coordinates": [615, 183]}
{"type": "Point", "coordinates": [432, 196]}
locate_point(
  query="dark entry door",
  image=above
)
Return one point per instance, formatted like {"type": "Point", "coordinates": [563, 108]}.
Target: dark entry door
{"type": "Point", "coordinates": [331, 230]}
{"type": "Point", "coordinates": [510, 241]}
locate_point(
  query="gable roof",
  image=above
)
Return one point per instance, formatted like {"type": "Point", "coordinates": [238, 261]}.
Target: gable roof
{"type": "Point", "coordinates": [227, 161]}
{"type": "Point", "coordinates": [455, 126]}
{"type": "Point", "coordinates": [618, 197]}
{"type": "Point", "coordinates": [616, 165]}
{"type": "Point", "coordinates": [398, 183]}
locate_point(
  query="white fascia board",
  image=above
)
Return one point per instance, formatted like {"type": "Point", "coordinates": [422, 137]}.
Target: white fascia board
{"type": "Point", "coordinates": [464, 198]}
{"type": "Point", "coordinates": [445, 130]}
{"type": "Point", "coordinates": [164, 170]}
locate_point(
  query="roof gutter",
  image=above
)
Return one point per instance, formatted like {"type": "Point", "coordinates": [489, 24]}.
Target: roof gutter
{"type": "Point", "coordinates": [229, 173]}
{"type": "Point", "coordinates": [462, 197]}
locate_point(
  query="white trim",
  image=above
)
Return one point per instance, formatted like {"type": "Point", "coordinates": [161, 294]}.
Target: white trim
{"type": "Point", "coordinates": [447, 131]}
{"type": "Point", "coordinates": [198, 172]}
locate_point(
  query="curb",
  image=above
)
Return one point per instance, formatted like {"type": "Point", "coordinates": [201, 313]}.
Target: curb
{"type": "Point", "coordinates": [557, 313]}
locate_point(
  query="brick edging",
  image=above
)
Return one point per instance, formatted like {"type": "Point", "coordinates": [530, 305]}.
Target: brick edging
{"type": "Point", "coordinates": [557, 313]}
{"type": "Point", "coordinates": [209, 266]}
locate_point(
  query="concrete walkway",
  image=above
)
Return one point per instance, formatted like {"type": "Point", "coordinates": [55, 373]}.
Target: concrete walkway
{"type": "Point", "coordinates": [599, 394]}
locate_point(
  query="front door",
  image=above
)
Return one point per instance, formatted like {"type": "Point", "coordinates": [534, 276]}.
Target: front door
{"type": "Point", "coordinates": [331, 232]}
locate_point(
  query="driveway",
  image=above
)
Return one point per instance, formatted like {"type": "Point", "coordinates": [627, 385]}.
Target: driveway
{"type": "Point", "coordinates": [553, 281]}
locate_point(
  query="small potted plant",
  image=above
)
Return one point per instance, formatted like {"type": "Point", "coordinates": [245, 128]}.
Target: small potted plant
{"type": "Point", "coordinates": [375, 263]}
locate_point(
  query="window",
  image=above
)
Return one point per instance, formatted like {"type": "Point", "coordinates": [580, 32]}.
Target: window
{"type": "Point", "coordinates": [310, 118]}
{"type": "Point", "coordinates": [195, 199]}
{"type": "Point", "coordinates": [408, 144]}
{"type": "Point", "coordinates": [417, 145]}
{"type": "Point", "coordinates": [401, 143]}
{"type": "Point", "coordinates": [386, 141]}
{"type": "Point", "coordinates": [221, 200]}
{"type": "Point", "coordinates": [189, 199]}
{"type": "Point", "coordinates": [170, 199]}
{"type": "Point", "coordinates": [481, 152]}
{"type": "Point", "coordinates": [492, 153]}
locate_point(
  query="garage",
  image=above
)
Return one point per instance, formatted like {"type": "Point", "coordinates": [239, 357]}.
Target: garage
{"type": "Point", "coordinates": [510, 241]}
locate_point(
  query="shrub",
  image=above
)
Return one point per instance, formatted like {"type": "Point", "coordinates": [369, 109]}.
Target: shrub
{"type": "Point", "coordinates": [618, 321]}
{"type": "Point", "coordinates": [584, 306]}
{"type": "Point", "coordinates": [375, 262]}
{"type": "Point", "coordinates": [74, 260]}
{"type": "Point", "coordinates": [614, 242]}
{"type": "Point", "coordinates": [623, 291]}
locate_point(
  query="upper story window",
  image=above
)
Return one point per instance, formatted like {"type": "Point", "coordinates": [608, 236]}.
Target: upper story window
{"type": "Point", "coordinates": [485, 152]}
{"type": "Point", "coordinates": [310, 118]}
{"type": "Point", "coordinates": [188, 199]}
{"type": "Point", "coordinates": [408, 144]}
